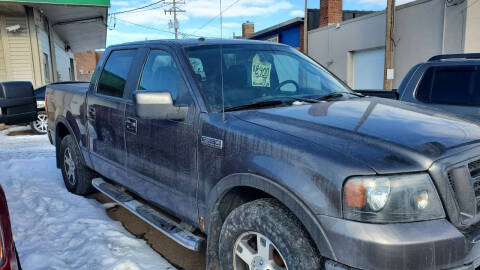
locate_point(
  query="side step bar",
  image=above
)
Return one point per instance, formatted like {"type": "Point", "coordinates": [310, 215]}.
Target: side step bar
{"type": "Point", "coordinates": [153, 217]}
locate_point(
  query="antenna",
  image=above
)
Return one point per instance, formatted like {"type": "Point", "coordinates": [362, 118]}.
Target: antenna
{"type": "Point", "coordinates": [221, 63]}
{"type": "Point", "coordinates": [221, 20]}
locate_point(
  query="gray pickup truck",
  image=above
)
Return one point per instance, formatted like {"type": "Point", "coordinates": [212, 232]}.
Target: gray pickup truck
{"type": "Point", "coordinates": [449, 83]}
{"type": "Point", "coordinates": [260, 155]}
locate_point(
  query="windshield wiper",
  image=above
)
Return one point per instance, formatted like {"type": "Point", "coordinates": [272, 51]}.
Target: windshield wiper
{"type": "Point", "coordinates": [270, 102]}
{"type": "Point", "coordinates": [330, 96]}
{"type": "Point", "coordinates": [260, 104]}
{"type": "Point", "coordinates": [337, 95]}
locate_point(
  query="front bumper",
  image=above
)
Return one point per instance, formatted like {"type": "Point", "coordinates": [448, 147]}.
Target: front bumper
{"type": "Point", "coordinates": [435, 244]}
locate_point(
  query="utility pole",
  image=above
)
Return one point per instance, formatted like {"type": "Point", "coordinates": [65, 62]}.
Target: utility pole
{"type": "Point", "coordinates": [305, 30]}
{"type": "Point", "coordinates": [388, 75]}
{"type": "Point", "coordinates": [174, 9]}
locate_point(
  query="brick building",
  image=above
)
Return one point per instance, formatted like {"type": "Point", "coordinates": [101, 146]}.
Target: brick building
{"type": "Point", "coordinates": [86, 63]}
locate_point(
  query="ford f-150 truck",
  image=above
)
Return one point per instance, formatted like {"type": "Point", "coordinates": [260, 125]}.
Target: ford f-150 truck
{"type": "Point", "coordinates": [449, 82]}
{"type": "Point", "coordinates": [262, 156]}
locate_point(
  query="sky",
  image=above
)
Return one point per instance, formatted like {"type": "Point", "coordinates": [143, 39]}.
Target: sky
{"type": "Point", "coordinates": [201, 17]}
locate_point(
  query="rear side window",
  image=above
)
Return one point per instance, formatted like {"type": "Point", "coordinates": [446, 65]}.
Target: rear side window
{"type": "Point", "coordinates": [114, 74]}
{"type": "Point", "coordinates": [458, 85]}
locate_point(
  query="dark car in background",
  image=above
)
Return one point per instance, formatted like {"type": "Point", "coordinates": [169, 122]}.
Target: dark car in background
{"type": "Point", "coordinates": [450, 83]}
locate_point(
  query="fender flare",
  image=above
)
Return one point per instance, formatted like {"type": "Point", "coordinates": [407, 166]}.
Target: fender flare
{"type": "Point", "coordinates": [298, 208]}
{"type": "Point", "coordinates": [64, 121]}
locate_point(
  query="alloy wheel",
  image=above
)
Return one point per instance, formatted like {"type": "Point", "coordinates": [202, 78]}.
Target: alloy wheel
{"type": "Point", "coordinates": [254, 251]}
{"type": "Point", "coordinates": [41, 123]}
{"type": "Point", "coordinates": [69, 165]}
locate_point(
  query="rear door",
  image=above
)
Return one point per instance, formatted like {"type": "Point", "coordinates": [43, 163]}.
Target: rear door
{"type": "Point", "coordinates": [106, 115]}
{"type": "Point", "coordinates": [162, 153]}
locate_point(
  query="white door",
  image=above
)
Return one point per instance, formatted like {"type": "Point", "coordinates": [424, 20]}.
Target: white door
{"type": "Point", "coordinates": [368, 68]}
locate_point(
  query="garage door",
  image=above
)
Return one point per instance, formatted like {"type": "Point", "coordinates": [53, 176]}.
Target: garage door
{"type": "Point", "coordinates": [368, 68]}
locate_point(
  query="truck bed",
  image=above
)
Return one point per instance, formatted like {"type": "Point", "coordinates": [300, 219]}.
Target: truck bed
{"type": "Point", "coordinates": [78, 87]}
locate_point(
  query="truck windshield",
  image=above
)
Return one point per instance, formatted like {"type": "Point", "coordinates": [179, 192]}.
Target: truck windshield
{"type": "Point", "coordinates": [254, 74]}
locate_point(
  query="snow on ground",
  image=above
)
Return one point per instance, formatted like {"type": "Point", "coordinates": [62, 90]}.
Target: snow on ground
{"type": "Point", "coordinates": [54, 229]}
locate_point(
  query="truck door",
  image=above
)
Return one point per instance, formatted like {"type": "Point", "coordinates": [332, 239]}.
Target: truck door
{"type": "Point", "coordinates": [106, 115]}
{"type": "Point", "coordinates": [161, 154]}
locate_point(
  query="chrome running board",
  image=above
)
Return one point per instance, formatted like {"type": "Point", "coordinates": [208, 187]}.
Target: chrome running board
{"type": "Point", "coordinates": [153, 217]}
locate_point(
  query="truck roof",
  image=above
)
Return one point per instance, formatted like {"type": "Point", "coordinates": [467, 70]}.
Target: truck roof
{"type": "Point", "coordinates": [199, 41]}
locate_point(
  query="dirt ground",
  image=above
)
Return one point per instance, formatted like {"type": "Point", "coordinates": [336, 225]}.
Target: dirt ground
{"type": "Point", "coordinates": [16, 133]}
{"type": "Point", "coordinates": [177, 255]}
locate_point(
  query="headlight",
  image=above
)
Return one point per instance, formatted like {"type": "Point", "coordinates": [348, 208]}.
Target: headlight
{"type": "Point", "coordinates": [388, 199]}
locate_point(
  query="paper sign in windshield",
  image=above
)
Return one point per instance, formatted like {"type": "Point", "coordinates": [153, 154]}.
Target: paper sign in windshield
{"type": "Point", "coordinates": [260, 72]}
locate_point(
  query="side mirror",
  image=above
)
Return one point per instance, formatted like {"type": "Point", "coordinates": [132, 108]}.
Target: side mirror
{"type": "Point", "coordinates": [157, 106]}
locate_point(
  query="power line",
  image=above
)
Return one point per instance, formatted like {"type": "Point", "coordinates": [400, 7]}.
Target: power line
{"type": "Point", "coordinates": [144, 10]}
{"type": "Point", "coordinates": [130, 10]}
{"type": "Point", "coordinates": [218, 15]}
{"type": "Point", "coordinates": [156, 29]}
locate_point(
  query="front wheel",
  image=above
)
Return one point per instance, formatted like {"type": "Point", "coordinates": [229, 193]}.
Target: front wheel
{"type": "Point", "coordinates": [40, 125]}
{"type": "Point", "coordinates": [264, 235]}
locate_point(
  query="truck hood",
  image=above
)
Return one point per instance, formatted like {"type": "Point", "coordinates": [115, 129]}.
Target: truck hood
{"type": "Point", "coordinates": [388, 136]}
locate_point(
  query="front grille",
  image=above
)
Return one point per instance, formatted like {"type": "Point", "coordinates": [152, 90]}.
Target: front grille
{"type": "Point", "coordinates": [474, 169]}
{"type": "Point", "coordinates": [465, 183]}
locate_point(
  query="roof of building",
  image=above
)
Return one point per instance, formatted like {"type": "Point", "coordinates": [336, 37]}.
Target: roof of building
{"type": "Point", "coordinates": [104, 3]}
{"type": "Point", "coordinates": [289, 23]}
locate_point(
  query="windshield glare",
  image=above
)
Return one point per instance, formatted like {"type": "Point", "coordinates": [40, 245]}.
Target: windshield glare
{"type": "Point", "coordinates": [253, 74]}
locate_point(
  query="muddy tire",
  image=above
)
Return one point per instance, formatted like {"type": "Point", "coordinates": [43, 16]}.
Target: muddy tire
{"type": "Point", "coordinates": [76, 175]}
{"type": "Point", "coordinates": [264, 234]}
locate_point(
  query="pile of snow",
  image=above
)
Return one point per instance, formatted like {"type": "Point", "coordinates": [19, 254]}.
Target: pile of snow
{"type": "Point", "coordinates": [54, 229]}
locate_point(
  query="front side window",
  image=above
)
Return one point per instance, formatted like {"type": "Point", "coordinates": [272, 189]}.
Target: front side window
{"type": "Point", "coordinates": [450, 85]}
{"type": "Point", "coordinates": [253, 74]}
{"type": "Point", "coordinates": [161, 74]}
{"type": "Point", "coordinates": [114, 75]}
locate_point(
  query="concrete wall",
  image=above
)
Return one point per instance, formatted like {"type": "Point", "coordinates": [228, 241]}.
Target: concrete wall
{"type": "Point", "coordinates": [419, 34]}
{"type": "Point", "coordinates": [472, 31]}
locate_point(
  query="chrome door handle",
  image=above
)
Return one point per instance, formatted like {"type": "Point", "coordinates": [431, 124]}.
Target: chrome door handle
{"type": "Point", "coordinates": [131, 125]}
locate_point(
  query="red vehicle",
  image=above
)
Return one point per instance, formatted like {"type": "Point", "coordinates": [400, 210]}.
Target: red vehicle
{"type": "Point", "coordinates": [8, 253]}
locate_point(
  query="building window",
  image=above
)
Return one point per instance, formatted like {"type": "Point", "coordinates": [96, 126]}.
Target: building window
{"type": "Point", "coordinates": [46, 68]}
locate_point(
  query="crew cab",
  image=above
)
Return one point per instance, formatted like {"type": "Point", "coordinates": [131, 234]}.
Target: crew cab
{"type": "Point", "coordinates": [263, 157]}
{"type": "Point", "coordinates": [450, 83]}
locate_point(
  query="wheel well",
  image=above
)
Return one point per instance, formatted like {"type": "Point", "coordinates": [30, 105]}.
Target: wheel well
{"type": "Point", "coordinates": [224, 206]}
{"type": "Point", "coordinates": [236, 197]}
{"type": "Point", "coordinates": [60, 133]}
